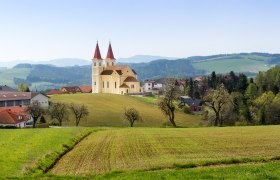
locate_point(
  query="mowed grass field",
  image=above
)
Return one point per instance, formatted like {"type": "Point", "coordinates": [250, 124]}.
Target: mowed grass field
{"type": "Point", "coordinates": [21, 149]}
{"type": "Point", "coordinates": [130, 149]}
{"type": "Point", "coordinates": [108, 110]}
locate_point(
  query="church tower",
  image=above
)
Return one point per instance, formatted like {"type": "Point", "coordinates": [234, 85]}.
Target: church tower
{"type": "Point", "coordinates": [110, 59]}
{"type": "Point", "coordinates": [97, 68]}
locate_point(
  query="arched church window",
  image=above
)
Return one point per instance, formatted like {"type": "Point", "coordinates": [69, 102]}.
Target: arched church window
{"type": "Point", "coordinates": [95, 64]}
{"type": "Point", "coordinates": [99, 63]}
{"type": "Point", "coordinates": [115, 84]}
{"type": "Point", "coordinates": [112, 63]}
{"type": "Point", "coordinates": [107, 64]}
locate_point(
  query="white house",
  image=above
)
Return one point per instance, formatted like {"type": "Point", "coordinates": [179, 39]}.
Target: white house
{"type": "Point", "coordinates": [152, 86]}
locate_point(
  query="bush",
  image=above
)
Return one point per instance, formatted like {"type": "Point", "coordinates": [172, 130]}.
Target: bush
{"type": "Point", "coordinates": [187, 110]}
{"type": "Point", "coordinates": [42, 119]}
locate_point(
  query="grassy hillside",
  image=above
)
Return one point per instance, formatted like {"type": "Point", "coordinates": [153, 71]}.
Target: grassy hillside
{"type": "Point", "coordinates": [236, 63]}
{"type": "Point", "coordinates": [7, 76]}
{"type": "Point", "coordinates": [130, 149]}
{"type": "Point", "coordinates": [21, 149]}
{"type": "Point", "coordinates": [107, 110]}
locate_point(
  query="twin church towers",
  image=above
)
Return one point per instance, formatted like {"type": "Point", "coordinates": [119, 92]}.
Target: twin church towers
{"type": "Point", "coordinates": [107, 77]}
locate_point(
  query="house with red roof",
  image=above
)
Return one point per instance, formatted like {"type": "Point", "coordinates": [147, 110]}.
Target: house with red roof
{"type": "Point", "coordinates": [15, 117]}
{"type": "Point", "coordinates": [86, 89]}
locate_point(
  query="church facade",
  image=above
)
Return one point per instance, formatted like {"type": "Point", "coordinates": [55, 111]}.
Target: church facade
{"type": "Point", "coordinates": [107, 77]}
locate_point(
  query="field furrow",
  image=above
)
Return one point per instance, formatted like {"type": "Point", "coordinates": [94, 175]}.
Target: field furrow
{"type": "Point", "coordinates": [128, 149]}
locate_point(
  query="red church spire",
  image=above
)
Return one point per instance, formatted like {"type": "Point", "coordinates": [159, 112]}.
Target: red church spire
{"type": "Point", "coordinates": [97, 55]}
{"type": "Point", "coordinates": [110, 54]}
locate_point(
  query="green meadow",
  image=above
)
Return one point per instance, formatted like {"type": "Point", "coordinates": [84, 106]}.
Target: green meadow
{"type": "Point", "coordinates": [108, 109]}
{"type": "Point", "coordinates": [23, 149]}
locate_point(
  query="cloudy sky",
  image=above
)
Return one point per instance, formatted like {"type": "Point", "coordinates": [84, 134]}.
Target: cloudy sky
{"type": "Point", "coordinates": [49, 29]}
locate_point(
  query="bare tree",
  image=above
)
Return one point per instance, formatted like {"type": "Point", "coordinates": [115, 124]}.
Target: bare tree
{"type": "Point", "coordinates": [132, 115]}
{"type": "Point", "coordinates": [79, 111]}
{"type": "Point", "coordinates": [166, 103]}
{"type": "Point", "coordinates": [217, 100]}
{"type": "Point", "coordinates": [35, 111]}
{"type": "Point", "coordinates": [58, 111]}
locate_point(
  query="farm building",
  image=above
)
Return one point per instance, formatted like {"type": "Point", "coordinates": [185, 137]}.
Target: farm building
{"type": "Point", "coordinates": [7, 89]}
{"type": "Point", "coordinates": [194, 104]}
{"type": "Point", "coordinates": [12, 99]}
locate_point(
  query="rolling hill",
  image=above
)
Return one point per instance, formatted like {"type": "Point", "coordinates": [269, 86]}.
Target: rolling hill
{"type": "Point", "coordinates": [43, 77]}
{"type": "Point", "coordinates": [107, 110]}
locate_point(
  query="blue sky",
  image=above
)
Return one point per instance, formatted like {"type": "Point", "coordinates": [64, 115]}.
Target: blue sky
{"type": "Point", "coordinates": [49, 29]}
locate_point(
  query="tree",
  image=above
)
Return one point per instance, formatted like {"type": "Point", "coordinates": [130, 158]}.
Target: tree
{"type": "Point", "coordinates": [242, 83]}
{"type": "Point", "coordinates": [251, 93]}
{"type": "Point", "coordinates": [35, 111]}
{"type": "Point", "coordinates": [213, 80]}
{"type": "Point", "coordinates": [132, 115]}
{"type": "Point", "coordinates": [261, 107]}
{"type": "Point", "coordinates": [216, 100]}
{"type": "Point", "coordinates": [191, 88]}
{"type": "Point", "coordinates": [79, 111]}
{"type": "Point", "coordinates": [58, 111]}
{"type": "Point", "coordinates": [23, 87]}
{"type": "Point", "coordinates": [166, 103]}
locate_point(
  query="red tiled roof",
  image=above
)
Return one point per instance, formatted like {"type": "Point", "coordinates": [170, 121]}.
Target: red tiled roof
{"type": "Point", "coordinates": [110, 54]}
{"type": "Point", "coordinates": [9, 117]}
{"type": "Point", "coordinates": [86, 89]}
{"type": "Point", "coordinates": [130, 79]}
{"type": "Point", "coordinates": [124, 86]}
{"type": "Point", "coordinates": [71, 89]}
{"type": "Point", "coordinates": [15, 109]}
{"type": "Point", "coordinates": [53, 92]}
{"type": "Point", "coordinates": [97, 54]}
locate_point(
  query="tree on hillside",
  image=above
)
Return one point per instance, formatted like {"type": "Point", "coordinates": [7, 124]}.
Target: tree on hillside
{"type": "Point", "coordinates": [217, 100]}
{"type": "Point", "coordinates": [166, 102]}
{"type": "Point", "coordinates": [35, 111]}
{"type": "Point", "coordinates": [58, 111]}
{"type": "Point", "coordinates": [132, 115]}
{"type": "Point", "coordinates": [251, 93]}
{"type": "Point", "coordinates": [213, 80]}
{"type": "Point", "coordinates": [242, 83]}
{"type": "Point", "coordinates": [79, 111]}
{"type": "Point", "coordinates": [23, 87]}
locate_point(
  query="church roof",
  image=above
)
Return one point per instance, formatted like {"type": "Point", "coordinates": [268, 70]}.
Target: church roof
{"type": "Point", "coordinates": [97, 54]}
{"type": "Point", "coordinates": [130, 79]}
{"type": "Point", "coordinates": [110, 54]}
{"type": "Point", "coordinates": [107, 72]}
{"type": "Point", "coordinates": [124, 86]}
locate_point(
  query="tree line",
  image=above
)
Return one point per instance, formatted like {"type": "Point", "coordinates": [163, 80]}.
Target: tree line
{"type": "Point", "coordinates": [236, 99]}
{"type": "Point", "coordinates": [58, 112]}
{"type": "Point", "coordinates": [231, 99]}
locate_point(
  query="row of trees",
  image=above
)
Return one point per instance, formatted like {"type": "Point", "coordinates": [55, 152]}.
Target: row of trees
{"type": "Point", "coordinates": [230, 99]}
{"type": "Point", "coordinates": [58, 112]}
{"type": "Point", "coordinates": [246, 101]}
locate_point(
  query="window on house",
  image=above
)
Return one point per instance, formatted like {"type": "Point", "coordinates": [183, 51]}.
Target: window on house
{"type": "Point", "coordinates": [115, 84]}
{"type": "Point", "coordinates": [94, 83]}
{"type": "Point", "coordinates": [127, 91]}
{"type": "Point", "coordinates": [17, 102]}
{"type": "Point", "coordinates": [132, 86]}
{"type": "Point", "coordinates": [103, 84]}
{"type": "Point", "coordinates": [2, 103]}
{"type": "Point", "coordinates": [10, 103]}
{"type": "Point", "coordinates": [107, 84]}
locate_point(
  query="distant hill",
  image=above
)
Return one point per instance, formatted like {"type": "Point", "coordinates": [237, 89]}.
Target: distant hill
{"type": "Point", "coordinates": [63, 62]}
{"type": "Point", "coordinates": [142, 59]}
{"type": "Point", "coordinates": [43, 77]}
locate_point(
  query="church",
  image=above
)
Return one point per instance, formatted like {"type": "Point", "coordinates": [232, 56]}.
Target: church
{"type": "Point", "coordinates": [108, 77]}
